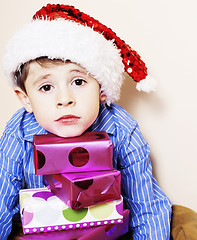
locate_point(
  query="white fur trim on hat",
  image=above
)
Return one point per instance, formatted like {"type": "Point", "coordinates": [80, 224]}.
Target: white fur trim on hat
{"type": "Point", "coordinates": [67, 40]}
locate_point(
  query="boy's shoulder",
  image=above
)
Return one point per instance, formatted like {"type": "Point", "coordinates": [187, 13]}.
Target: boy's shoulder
{"type": "Point", "coordinates": [122, 118]}
{"type": "Point", "coordinates": [117, 117]}
{"type": "Point", "coordinates": [16, 123]}
{"type": "Point", "coordinates": [22, 125]}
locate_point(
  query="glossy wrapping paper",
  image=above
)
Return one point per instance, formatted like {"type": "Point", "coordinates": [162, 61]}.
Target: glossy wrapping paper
{"type": "Point", "coordinates": [108, 232]}
{"type": "Point", "coordinates": [79, 190]}
{"type": "Point", "coordinates": [42, 211]}
{"type": "Point", "coordinates": [91, 151]}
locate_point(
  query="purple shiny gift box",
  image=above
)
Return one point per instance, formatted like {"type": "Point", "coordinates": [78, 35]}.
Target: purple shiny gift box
{"type": "Point", "coordinates": [91, 151]}
{"type": "Point", "coordinates": [79, 190]}
{"type": "Point", "coordinates": [109, 232]}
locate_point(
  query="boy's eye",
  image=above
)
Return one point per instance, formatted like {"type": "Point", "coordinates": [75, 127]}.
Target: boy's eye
{"type": "Point", "coordinates": [46, 88]}
{"type": "Point", "coordinates": [78, 82]}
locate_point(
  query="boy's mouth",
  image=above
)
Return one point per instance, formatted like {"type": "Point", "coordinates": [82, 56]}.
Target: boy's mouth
{"type": "Point", "coordinates": [68, 119]}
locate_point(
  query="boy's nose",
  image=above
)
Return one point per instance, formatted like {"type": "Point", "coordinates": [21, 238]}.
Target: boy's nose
{"type": "Point", "coordinates": [65, 99]}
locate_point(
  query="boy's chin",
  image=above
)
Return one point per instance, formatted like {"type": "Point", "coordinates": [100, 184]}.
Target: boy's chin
{"type": "Point", "coordinates": [68, 134]}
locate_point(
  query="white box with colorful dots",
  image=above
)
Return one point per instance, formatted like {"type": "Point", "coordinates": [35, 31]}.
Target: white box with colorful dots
{"type": "Point", "coordinates": [42, 211]}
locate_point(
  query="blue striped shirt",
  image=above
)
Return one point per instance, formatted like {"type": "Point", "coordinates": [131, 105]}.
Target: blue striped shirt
{"type": "Point", "coordinates": [149, 207]}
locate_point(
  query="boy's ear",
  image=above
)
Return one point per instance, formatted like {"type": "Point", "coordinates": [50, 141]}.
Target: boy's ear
{"type": "Point", "coordinates": [102, 97]}
{"type": "Point", "coordinates": [22, 96]}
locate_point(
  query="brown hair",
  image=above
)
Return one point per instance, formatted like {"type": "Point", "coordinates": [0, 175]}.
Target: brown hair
{"type": "Point", "coordinates": [23, 71]}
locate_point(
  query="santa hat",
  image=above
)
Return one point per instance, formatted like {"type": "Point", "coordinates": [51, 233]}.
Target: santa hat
{"type": "Point", "coordinates": [63, 32]}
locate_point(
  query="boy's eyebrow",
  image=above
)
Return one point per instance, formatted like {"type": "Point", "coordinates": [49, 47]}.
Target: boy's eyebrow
{"type": "Point", "coordinates": [83, 71]}
{"type": "Point", "coordinates": [41, 78]}
{"type": "Point", "coordinates": [80, 71]}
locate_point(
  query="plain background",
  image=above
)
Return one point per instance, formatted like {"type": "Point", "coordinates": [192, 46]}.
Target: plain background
{"type": "Point", "coordinates": [164, 34]}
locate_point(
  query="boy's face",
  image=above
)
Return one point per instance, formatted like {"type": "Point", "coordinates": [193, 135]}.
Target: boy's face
{"type": "Point", "coordinates": [64, 98]}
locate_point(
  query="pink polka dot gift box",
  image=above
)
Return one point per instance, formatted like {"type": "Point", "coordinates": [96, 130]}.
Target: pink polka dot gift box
{"type": "Point", "coordinates": [42, 211]}
{"type": "Point", "coordinates": [84, 189]}
{"type": "Point", "coordinates": [53, 154]}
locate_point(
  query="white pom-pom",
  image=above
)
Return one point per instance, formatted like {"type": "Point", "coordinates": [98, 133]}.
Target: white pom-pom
{"type": "Point", "coordinates": [146, 85]}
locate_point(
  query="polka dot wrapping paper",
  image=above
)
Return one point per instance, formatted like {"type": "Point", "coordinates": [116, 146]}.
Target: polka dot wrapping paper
{"type": "Point", "coordinates": [53, 154]}
{"type": "Point", "coordinates": [84, 189]}
{"type": "Point", "coordinates": [42, 211]}
{"type": "Point", "coordinates": [105, 232]}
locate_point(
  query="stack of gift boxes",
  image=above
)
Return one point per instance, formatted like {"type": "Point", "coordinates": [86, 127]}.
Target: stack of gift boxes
{"type": "Point", "coordinates": [83, 190]}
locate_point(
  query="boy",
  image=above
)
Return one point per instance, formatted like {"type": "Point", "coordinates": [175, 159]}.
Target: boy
{"type": "Point", "coordinates": [67, 69]}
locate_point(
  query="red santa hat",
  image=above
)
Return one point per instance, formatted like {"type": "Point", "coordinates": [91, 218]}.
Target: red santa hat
{"type": "Point", "coordinates": [63, 32]}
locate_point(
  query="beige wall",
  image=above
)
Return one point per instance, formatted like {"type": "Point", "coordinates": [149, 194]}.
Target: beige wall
{"type": "Point", "coordinates": [164, 33]}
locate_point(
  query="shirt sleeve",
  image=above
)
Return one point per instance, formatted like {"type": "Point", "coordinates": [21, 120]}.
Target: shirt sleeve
{"type": "Point", "coordinates": [10, 181]}
{"type": "Point", "coordinates": [150, 208]}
